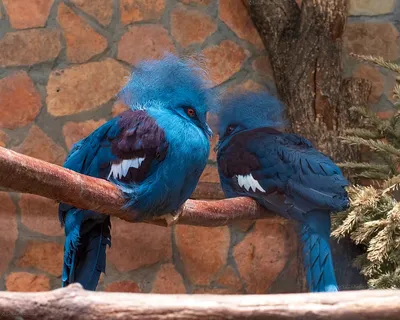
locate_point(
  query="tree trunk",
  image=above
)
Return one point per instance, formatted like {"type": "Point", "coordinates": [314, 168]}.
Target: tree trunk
{"type": "Point", "coordinates": [305, 49]}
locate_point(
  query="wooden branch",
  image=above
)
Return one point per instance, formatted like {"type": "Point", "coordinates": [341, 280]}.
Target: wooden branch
{"type": "Point", "coordinates": [305, 49]}
{"type": "Point", "coordinates": [29, 175]}
{"type": "Point", "coordinates": [74, 303]}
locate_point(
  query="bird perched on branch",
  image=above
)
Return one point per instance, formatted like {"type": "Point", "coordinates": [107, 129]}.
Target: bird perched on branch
{"type": "Point", "coordinates": [155, 153]}
{"type": "Point", "coordinates": [284, 173]}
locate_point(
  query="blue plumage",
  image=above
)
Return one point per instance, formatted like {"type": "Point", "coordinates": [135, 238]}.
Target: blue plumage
{"type": "Point", "coordinates": [284, 173]}
{"type": "Point", "coordinates": [155, 153]}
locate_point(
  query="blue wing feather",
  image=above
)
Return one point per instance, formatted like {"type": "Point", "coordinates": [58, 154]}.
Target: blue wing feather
{"type": "Point", "coordinates": [81, 226]}
{"type": "Point", "coordinates": [303, 171]}
{"type": "Point", "coordinates": [95, 146]}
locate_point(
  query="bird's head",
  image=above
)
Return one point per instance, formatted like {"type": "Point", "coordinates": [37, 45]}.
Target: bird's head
{"type": "Point", "coordinates": [248, 110]}
{"type": "Point", "coordinates": [173, 84]}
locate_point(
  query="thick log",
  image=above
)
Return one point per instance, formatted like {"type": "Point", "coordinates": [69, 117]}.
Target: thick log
{"type": "Point", "coordinates": [75, 303]}
{"type": "Point", "coordinates": [304, 45]}
{"type": "Point", "coordinates": [21, 173]}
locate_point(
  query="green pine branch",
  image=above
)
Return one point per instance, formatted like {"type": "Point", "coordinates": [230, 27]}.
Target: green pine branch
{"type": "Point", "coordinates": [365, 166]}
{"type": "Point", "coordinates": [376, 145]}
{"type": "Point", "coordinates": [373, 218]}
{"type": "Point", "coordinates": [379, 61]}
{"type": "Point", "coordinates": [363, 133]}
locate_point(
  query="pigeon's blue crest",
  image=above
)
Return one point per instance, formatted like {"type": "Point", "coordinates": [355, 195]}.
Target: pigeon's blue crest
{"type": "Point", "coordinates": [240, 108]}
{"type": "Point", "coordinates": [154, 153]}
{"type": "Point", "coordinates": [171, 82]}
{"type": "Point", "coordinates": [285, 174]}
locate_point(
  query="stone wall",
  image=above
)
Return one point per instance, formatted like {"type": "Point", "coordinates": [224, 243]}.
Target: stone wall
{"type": "Point", "coordinates": [61, 64]}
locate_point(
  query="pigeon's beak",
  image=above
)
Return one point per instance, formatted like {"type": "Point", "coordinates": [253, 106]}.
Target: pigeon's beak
{"type": "Point", "coordinates": [208, 130]}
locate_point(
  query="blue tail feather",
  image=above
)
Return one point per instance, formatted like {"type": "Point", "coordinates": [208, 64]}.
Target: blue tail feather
{"type": "Point", "coordinates": [85, 249]}
{"type": "Point", "coordinates": [318, 261]}
{"type": "Point", "coordinates": [92, 255]}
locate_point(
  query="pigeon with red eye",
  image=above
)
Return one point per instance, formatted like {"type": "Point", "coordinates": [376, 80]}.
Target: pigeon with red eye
{"type": "Point", "coordinates": [284, 173]}
{"type": "Point", "coordinates": [154, 153]}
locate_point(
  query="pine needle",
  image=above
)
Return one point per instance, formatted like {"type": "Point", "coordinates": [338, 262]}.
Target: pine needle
{"type": "Point", "coordinates": [363, 133]}
{"type": "Point", "coordinates": [370, 175]}
{"type": "Point", "coordinates": [377, 145]}
{"type": "Point", "coordinates": [391, 184]}
{"type": "Point", "coordinates": [380, 245]}
{"type": "Point", "coordinates": [396, 92]}
{"type": "Point", "coordinates": [365, 166]}
{"type": "Point", "coordinates": [367, 231]}
{"type": "Point", "coordinates": [379, 61]}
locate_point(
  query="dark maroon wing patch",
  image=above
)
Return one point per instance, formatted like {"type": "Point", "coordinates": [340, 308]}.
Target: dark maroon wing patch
{"type": "Point", "coordinates": [140, 144]}
{"type": "Point", "coordinates": [235, 160]}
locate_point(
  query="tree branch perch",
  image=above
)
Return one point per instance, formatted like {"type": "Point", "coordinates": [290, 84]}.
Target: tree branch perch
{"type": "Point", "coordinates": [25, 174]}
{"type": "Point", "coordinates": [74, 303]}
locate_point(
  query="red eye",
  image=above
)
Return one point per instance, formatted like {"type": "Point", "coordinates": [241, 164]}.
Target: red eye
{"type": "Point", "coordinates": [191, 113]}
{"type": "Point", "coordinates": [230, 129]}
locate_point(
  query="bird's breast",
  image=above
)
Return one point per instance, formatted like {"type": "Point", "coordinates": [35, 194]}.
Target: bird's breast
{"type": "Point", "coordinates": [188, 146]}
{"type": "Point", "coordinates": [177, 175]}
